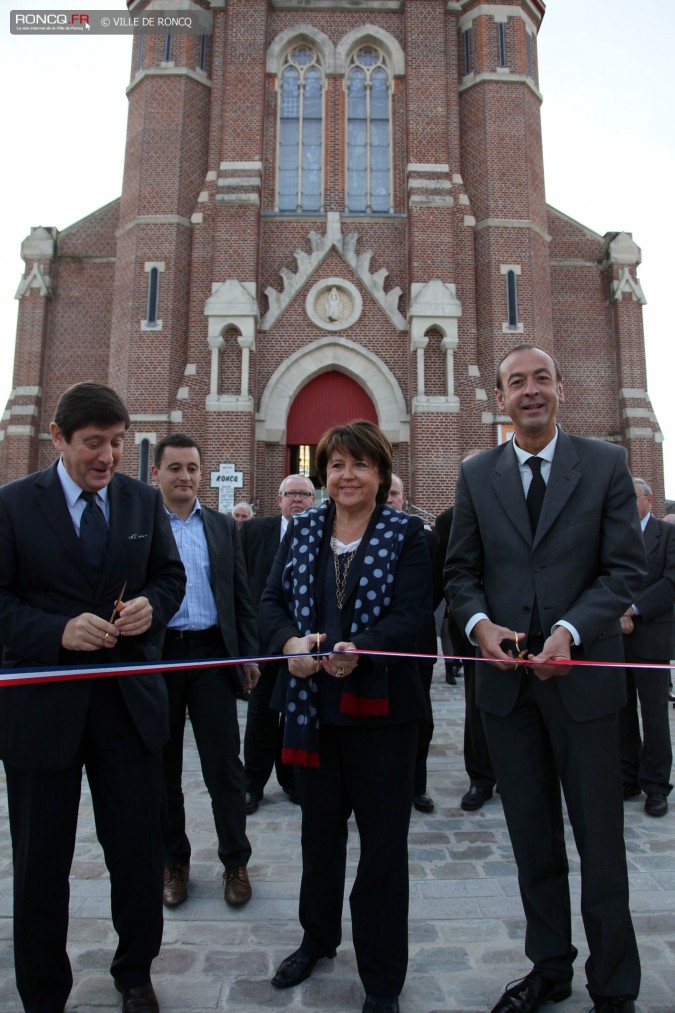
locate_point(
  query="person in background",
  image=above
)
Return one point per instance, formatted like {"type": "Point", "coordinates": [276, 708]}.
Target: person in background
{"type": "Point", "coordinates": [648, 625]}
{"type": "Point", "coordinates": [546, 550]}
{"type": "Point", "coordinates": [215, 620]}
{"type": "Point", "coordinates": [477, 762]}
{"type": "Point", "coordinates": [260, 539]}
{"type": "Point", "coordinates": [242, 512]}
{"type": "Point", "coordinates": [422, 801]}
{"type": "Point", "coordinates": [90, 573]}
{"type": "Point", "coordinates": [353, 574]}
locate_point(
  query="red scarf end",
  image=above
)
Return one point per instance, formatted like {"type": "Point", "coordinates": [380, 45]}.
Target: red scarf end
{"type": "Point", "coordinates": [364, 707]}
{"type": "Point", "coordinates": [299, 757]}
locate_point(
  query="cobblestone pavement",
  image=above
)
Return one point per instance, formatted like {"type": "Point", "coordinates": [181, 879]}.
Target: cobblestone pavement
{"type": "Point", "coordinates": [466, 922]}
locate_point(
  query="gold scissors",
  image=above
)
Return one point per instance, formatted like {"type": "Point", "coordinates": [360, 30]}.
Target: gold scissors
{"type": "Point", "coordinates": [119, 598]}
{"type": "Point", "coordinates": [521, 653]}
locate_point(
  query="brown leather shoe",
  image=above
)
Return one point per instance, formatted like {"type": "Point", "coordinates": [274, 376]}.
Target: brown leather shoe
{"type": "Point", "coordinates": [237, 887]}
{"type": "Point", "coordinates": [141, 999]}
{"type": "Point", "coordinates": [175, 885]}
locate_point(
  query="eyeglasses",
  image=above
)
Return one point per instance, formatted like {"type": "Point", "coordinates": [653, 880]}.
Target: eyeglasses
{"type": "Point", "coordinates": [302, 495]}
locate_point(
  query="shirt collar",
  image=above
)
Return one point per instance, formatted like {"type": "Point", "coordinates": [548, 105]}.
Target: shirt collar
{"type": "Point", "coordinates": [197, 509]}
{"type": "Point", "coordinates": [645, 521]}
{"type": "Point", "coordinates": [72, 490]}
{"type": "Point", "coordinates": [546, 454]}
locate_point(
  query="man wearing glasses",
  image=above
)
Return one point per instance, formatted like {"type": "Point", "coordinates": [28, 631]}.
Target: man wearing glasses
{"type": "Point", "coordinates": [260, 540]}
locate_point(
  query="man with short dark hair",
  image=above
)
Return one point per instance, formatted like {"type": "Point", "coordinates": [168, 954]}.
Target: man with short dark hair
{"type": "Point", "coordinates": [215, 620]}
{"type": "Point", "coordinates": [546, 550]}
{"type": "Point", "coordinates": [648, 626]}
{"type": "Point", "coordinates": [90, 572]}
{"type": "Point", "coordinates": [260, 539]}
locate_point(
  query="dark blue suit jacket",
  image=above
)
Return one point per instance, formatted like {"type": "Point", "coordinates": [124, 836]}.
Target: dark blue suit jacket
{"type": "Point", "coordinates": [45, 581]}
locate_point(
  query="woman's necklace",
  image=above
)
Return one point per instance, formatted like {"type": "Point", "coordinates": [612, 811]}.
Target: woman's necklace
{"type": "Point", "coordinates": [341, 562]}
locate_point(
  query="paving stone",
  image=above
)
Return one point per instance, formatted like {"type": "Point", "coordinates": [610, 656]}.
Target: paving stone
{"type": "Point", "coordinates": [466, 920]}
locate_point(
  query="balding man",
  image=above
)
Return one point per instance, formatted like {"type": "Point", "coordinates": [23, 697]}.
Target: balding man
{"type": "Point", "coordinates": [260, 540]}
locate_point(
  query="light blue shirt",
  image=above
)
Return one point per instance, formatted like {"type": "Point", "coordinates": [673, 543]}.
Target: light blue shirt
{"type": "Point", "coordinates": [76, 506]}
{"type": "Point", "coordinates": [198, 608]}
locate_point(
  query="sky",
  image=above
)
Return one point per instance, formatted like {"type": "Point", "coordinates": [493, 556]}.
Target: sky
{"type": "Point", "coordinates": [605, 71]}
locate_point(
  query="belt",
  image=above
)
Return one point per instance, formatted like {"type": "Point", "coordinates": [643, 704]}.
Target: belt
{"type": "Point", "coordinates": [195, 635]}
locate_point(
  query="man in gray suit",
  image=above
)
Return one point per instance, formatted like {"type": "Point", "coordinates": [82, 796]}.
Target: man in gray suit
{"type": "Point", "coordinates": [648, 626]}
{"type": "Point", "coordinates": [546, 548]}
{"type": "Point", "coordinates": [216, 620]}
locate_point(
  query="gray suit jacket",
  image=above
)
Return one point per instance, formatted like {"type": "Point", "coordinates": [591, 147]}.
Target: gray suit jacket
{"type": "Point", "coordinates": [585, 565]}
{"type": "Point", "coordinates": [652, 636]}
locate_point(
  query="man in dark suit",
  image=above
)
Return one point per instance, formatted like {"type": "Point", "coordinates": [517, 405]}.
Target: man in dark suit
{"type": "Point", "coordinates": [422, 800]}
{"type": "Point", "coordinates": [648, 626]}
{"type": "Point", "coordinates": [546, 548]}
{"type": "Point", "coordinates": [215, 620]}
{"type": "Point", "coordinates": [477, 762]}
{"type": "Point", "coordinates": [260, 540]}
{"type": "Point", "coordinates": [79, 545]}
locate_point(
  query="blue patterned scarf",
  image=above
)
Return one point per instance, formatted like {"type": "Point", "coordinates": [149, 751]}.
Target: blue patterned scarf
{"type": "Point", "coordinates": [362, 696]}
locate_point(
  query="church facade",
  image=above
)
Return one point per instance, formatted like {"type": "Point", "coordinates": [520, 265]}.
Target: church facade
{"type": "Point", "coordinates": [330, 209]}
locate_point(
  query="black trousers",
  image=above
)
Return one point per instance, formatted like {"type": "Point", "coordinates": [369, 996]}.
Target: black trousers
{"type": "Point", "coordinates": [126, 790]}
{"type": "Point", "coordinates": [425, 732]}
{"type": "Point", "coordinates": [535, 749]}
{"type": "Point", "coordinates": [368, 771]}
{"type": "Point", "coordinates": [210, 698]}
{"type": "Point", "coordinates": [477, 762]}
{"type": "Point", "coordinates": [646, 759]}
{"type": "Point", "coordinates": [263, 737]}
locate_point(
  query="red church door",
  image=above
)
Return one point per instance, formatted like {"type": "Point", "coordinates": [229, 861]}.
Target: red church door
{"type": "Point", "coordinates": [329, 400]}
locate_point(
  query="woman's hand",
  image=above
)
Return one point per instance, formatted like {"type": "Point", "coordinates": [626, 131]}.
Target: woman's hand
{"type": "Point", "coordinates": [340, 664]}
{"type": "Point", "coordinates": [308, 664]}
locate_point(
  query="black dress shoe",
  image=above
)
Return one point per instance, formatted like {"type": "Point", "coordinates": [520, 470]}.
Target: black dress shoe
{"type": "Point", "coordinates": [141, 999]}
{"type": "Point", "coordinates": [532, 992]}
{"type": "Point", "coordinates": [631, 791]}
{"type": "Point", "coordinates": [423, 803]}
{"type": "Point", "coordinates": [656, 804]}
{"type": "Point", "coordinates": [292, 796]}
{"type": "Point", "coordinates": [295, 968]}
{"type": "Point", "coordinates": [380, 1004]}
{"type": "Point", "coordinates": [475, 798]}
{"type": "Point", "coordinates": [615, 1005]}
{"type": "Point", "coordinates": [252, 802]}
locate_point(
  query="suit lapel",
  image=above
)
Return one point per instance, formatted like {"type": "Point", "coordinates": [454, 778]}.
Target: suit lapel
{"type": "Point", "coordinates": [652, 536]}
{"type": "Point", "coordinates": [508, 488]}
{"type": "Point", "coordinates": [565, 474]}
{"type": "Point", "coordinates": [52, 502]}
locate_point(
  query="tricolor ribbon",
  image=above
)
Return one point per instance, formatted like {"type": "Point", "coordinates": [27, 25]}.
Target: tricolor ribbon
{"type": "Point", "coordinates": [28, 676]}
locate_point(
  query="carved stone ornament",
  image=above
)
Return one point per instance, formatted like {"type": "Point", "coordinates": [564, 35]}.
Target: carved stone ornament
{"type": "Point", "coordinates": [334, 304]}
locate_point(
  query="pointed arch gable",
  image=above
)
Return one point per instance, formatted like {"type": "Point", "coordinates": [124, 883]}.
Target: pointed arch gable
{"type": "Point", "coordinates": [363, 35]}
{"type": "Point", "coordinates": [302, 32]}
{"type": "Point", "coordinates": [319, 357]}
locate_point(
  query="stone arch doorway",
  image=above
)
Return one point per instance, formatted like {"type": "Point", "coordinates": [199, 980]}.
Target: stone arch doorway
{"type": "Point", "coordinates": [329, 399]}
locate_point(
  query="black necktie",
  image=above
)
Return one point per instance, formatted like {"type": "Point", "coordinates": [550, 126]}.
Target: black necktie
{"type": "Point", "coordinates": [535, 494]}
{"type": "Point", "coordinates": [93, 532]}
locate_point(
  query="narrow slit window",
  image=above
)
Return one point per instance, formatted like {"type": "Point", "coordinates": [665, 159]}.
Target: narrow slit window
{"type": "Point", "coordinates": [144, 461]}
{"type": "Point", "coordinates": [466, 39]}
{"type": "Point", "coordinates": [167, 48]}
{"type": "Point", "coordinates": [501, 38]}
{"type": "Point", "coordinates": [202, 53]}
{"type": "Point", "coordinates": [153, 296]}
{"type": "Point", "coordinates": [511, 300]}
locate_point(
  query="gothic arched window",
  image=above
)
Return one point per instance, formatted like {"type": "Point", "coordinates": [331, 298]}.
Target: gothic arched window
{"type": "Point", "coordinates": [300, 184]}
{"type": "Point", "coordinates": [368, 132]}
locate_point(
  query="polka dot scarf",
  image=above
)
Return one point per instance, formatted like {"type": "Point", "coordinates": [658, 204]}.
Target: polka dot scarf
{"type": "Point", "coordinates": [362, 696]}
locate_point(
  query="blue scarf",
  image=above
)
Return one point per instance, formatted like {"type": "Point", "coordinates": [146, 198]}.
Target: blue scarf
{"type": "Point", "coordinates": [362, 696]}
